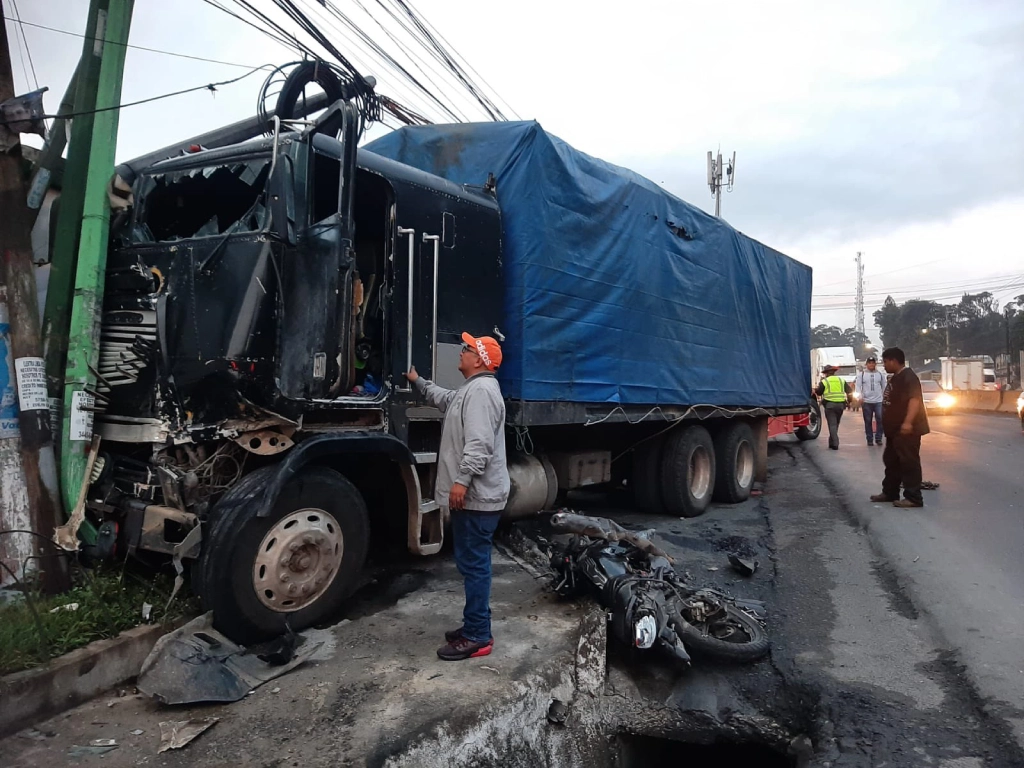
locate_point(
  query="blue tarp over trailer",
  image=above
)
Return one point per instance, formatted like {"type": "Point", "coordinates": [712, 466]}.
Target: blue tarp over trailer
{"type": "Point", "coordinates": [617, 291]}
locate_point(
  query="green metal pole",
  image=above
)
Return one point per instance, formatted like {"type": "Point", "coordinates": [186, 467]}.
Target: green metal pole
{"type": "Point", "coordinates": [64, 250]}
{"type": "Point", "coordinates": [87, 302]}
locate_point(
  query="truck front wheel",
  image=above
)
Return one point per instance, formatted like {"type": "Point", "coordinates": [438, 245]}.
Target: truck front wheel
{"type": "Point", "coordinates": [813, 428]}
{"type": "Point", "coordinates": [296, 565]}
{"type": "Point", "coordinates": [688, 471]}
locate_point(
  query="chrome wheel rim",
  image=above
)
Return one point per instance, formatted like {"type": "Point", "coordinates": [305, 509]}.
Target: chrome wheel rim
{"type": "Point", "coordinates": [298, 560]}
{"type": "Point", "coordinates": [700, 473]}
{"type": "Point", "coordinates": [744, 464]}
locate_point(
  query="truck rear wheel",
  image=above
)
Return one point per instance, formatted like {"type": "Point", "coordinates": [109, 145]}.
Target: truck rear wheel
{"type": "Point", "coordinates": [688, 471]}
{"type": "Point", "coordinates": [646, 480]}
{"type": "Point", "coordinates": [297, 564]}
{"type": "Point", "coordinates": [813, 429]}
{"type": "Point", "coordinates": [734, 462]}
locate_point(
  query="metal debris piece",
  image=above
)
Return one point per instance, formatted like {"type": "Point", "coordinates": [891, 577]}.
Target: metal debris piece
{"type": "Point", "coordinates": [741, 566]}
{"type": "Point", "coordinates": [66, 536]}
{"type": "Point", "coordinates": [178, 734]}
{"type": "Point", "coordinates": [196, 663]}
{"type": "Point", "coordinates": [103, 743]}
{"type": "Point", "coordinates": [137, 732]}
{"type": "Point", "coordinates": [36, 735]}
{"type": "Point", "coordinates": [281, 649]}
{"type": "Point", "coordinates": [77, 751]}
{"type": "Point", "coordinates": [558, 712]}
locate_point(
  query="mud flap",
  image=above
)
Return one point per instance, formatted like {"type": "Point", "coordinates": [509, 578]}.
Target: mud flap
{"type": "Point", "coordinates": [197, 663]}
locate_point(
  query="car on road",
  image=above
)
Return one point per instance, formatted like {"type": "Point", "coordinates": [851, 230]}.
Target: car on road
{"type": "Point", "coordinates": [936, 399]}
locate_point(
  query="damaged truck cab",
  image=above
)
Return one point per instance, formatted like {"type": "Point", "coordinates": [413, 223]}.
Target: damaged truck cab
{"type": "Point", "coordinates": [262, 303]}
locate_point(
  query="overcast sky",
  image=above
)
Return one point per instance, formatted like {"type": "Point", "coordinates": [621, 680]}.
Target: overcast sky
{"type": "Point", "coordinates": [891, 128]}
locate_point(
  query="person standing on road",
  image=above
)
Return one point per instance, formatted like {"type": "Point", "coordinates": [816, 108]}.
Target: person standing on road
{"type": "Point", "coordinates": [870, 383]}
{"type": "Point", "coordinates": [472, 483]}
{"type": "Point", "coordinates": [904, 421]}
{"type": "Point", "coordinates": [835, 394]}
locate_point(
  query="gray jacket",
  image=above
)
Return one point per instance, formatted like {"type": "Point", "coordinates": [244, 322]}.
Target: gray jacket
{"type": "Point", "coordinates": [472, 451]}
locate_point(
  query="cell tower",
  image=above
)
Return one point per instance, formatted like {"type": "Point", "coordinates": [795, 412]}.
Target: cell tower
{"type": "Point", "coordinates": [716, 169]}
{"type": "Point", "coordinates": [860, 294]}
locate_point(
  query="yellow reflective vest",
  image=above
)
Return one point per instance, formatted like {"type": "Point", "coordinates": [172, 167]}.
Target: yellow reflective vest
{"type": "Point", "coordinates": [835, 390]}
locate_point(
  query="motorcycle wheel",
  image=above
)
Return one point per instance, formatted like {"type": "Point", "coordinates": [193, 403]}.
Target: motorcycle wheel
{"type": "Point", "coordinates": [740, 638]}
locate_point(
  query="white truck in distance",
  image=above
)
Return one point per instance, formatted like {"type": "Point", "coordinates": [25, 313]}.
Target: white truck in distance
{"type": "Point", "coordinates": [843, 358]}
{"type": "Point", "coordinates": [964, 373]}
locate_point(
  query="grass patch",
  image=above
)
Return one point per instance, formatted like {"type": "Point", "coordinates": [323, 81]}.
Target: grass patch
{"type": "Point", "coordinates": [109, 602]}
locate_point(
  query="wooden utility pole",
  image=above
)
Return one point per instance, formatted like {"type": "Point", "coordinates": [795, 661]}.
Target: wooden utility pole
{"type": "Point", "coordinates": [17, 272]}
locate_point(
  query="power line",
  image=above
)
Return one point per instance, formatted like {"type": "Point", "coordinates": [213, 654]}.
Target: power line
{"type": "Point", "coordinates": [497, 95]}
{"type": "Point", "coordinates": [28, 50]}
{"type": "Point", "coordinates": [135, 47]}
{"type": "Point", "coordinates": [208, 87]}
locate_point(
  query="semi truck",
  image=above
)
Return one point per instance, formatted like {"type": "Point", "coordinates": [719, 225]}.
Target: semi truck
{"type": "Point", "coordinates": [263, 299]}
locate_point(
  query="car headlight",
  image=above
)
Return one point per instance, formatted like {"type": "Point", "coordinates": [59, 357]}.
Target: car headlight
{"type": "Point", "coordinates": [945, 401]}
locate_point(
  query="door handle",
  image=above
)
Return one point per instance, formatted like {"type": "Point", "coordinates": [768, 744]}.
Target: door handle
{"type": "Point", "coordinates": [433, 345]}
{"type": "Point", "coordinates": [408, 320]}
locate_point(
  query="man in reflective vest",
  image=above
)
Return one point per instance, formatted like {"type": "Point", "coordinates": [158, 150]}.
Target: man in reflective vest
{"type": "Point", "coordinates": [834, 394]}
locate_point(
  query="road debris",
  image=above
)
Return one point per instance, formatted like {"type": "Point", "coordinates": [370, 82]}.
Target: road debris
{"type": "Point", "coordinates": [137, 732]}
{"type": "Point", "coordinates": [177, 734]}
{"type": "Point", "coordinates": [36, 735]}
{"type": "Point", "coordinates": [88, 751]}
{"type": "Point", "coordinates": [744, 567]}
{"type": "Point", "coordinates": [558, 712]}
{"type": "Point", "coordinates": [103, 743]}
{"type": "Point", "coordinates": [196, 663]}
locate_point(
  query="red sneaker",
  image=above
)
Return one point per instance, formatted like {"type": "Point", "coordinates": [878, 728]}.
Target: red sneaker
{"type": "Point", "coordinates": [463, 648]}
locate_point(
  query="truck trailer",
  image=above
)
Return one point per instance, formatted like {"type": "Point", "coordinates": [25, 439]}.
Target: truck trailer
{"type": "Point", "coordinates": [263, 300]}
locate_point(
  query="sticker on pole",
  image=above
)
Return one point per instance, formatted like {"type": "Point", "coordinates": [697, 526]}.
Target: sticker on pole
{"type": "Point", "coordinates": [32, 384]}
{"type": "Point", "coordinates": [8, 398]}
{"type": "Point", "coordinates": [81, 416]}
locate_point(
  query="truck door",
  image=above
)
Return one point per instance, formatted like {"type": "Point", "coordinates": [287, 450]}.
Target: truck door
{"type": "Point", "coordinates": [316, 308]}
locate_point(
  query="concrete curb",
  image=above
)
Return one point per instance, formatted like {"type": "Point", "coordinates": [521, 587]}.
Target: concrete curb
{"type": "Point", "coordinates": [1011, 414]}
{"type": "Point", "coordinates": [36, 694]}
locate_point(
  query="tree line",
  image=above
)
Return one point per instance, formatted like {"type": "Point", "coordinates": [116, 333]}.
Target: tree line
{"type": "Point", "coordinates": [977, 326]}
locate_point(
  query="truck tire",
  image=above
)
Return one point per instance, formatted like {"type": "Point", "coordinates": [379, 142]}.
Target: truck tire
{"type": "Point", "coordinates": [646, 480]}
{"type": "Point", "coordinates": [688, 471]}
{"type": "Point", "coordinates": [734, 463]}
{"type": "Point", "coordinates": [296, 565]}
{"type": "Point", "coordinates": [812, 430]}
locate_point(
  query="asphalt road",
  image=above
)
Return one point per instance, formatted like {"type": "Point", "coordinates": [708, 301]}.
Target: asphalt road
{"type": "Point", "coordinates": [962, 556]}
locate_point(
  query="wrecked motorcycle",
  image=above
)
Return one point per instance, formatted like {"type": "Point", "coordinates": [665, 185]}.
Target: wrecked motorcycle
{"type": "Point", "coordinates": [650, 605]}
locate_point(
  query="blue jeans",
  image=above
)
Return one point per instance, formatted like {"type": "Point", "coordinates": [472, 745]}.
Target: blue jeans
{"type": "Point", "coordinates": [472, 534]}
{"type": "Point", "coordinates": [872, 410]}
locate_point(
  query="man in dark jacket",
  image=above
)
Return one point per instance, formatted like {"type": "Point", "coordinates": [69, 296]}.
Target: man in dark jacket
{"type": "Point", "coordinates": [904, 422]}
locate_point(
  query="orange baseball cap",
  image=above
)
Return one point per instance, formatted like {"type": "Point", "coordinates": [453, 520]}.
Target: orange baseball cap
{"type": "Point", "coordinates": [488, 349]}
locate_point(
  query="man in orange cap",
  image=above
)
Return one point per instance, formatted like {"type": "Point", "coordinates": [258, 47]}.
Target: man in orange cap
{"type": "Point", "coordinates": [472, 482]}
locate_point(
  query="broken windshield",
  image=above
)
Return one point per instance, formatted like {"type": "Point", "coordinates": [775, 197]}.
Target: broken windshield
{"type": "Point", "coordinates": [202, 202]}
